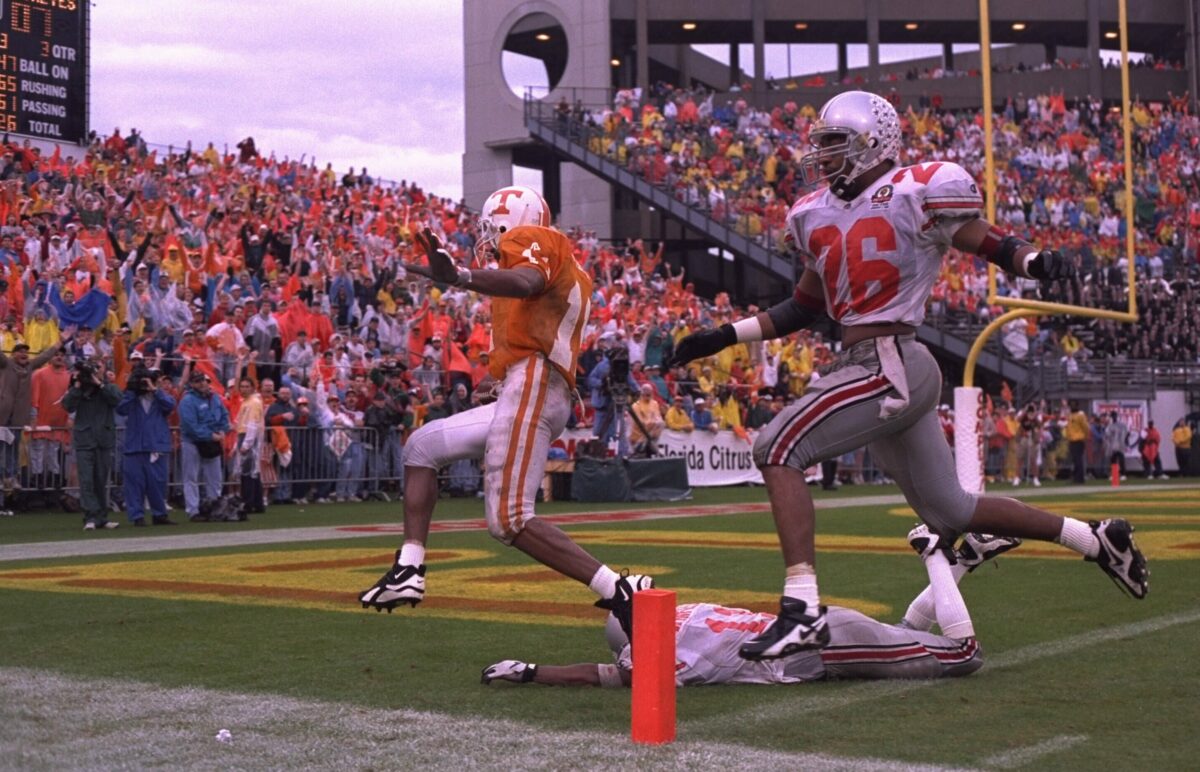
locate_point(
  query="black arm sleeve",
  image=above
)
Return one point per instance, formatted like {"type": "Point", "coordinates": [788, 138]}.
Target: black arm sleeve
{"type": "Point", "coordinates": [789, 316]}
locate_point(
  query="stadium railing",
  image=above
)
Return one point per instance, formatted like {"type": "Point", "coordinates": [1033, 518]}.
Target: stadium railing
{"type": "Point", "coordinates": [327, 462]}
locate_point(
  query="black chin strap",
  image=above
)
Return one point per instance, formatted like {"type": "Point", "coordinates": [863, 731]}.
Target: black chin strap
{"type": "Point", "coordinates": [841, 188]}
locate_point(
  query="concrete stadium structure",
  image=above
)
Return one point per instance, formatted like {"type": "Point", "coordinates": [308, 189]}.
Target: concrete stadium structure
{"type": "Point", "coordinates": [589, 48]}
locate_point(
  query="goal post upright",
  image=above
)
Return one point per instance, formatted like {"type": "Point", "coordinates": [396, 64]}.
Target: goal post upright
{"type": "Point", "coordinates": [1042, 306]}
{"type": "Point", "coordinates": [969, 446]}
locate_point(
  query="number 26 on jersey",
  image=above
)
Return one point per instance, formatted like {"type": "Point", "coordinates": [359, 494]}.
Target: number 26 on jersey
{"type": "Point", "coordinates": [871, 283]}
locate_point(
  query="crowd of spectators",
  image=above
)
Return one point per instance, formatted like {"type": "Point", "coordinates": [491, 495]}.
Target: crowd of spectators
{"type": "Point", "coordinates": [273, 290]}
{"type": "Point", "coordinates": [1059, 183]}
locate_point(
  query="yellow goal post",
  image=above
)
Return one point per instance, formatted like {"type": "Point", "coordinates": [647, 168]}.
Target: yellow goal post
{"type": "Point", "coordinates": [968, 399]}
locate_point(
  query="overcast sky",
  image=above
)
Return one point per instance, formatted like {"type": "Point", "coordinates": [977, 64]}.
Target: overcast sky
{"type": "Point", "coordinates": [356, 82]}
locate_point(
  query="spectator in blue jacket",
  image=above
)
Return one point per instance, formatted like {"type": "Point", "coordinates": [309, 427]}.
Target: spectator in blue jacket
{"type": "Point", "coordinates": [203, 423]}
{"type": "Point", "coordinates": [147, 447]}
{"type": "Point", "coordinates": [702, 417]}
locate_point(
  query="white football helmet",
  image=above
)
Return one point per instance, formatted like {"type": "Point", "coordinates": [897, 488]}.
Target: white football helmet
{"type": "Point", "coordinates": [871, 129]}
{"type": "Point", "coordinates": [506, 209]}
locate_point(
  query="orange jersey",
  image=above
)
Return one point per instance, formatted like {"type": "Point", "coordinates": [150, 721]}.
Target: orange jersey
{"type": "Point", "coordinates": [550, 322]}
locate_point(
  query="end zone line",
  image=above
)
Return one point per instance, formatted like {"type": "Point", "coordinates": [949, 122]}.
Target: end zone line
{"type": "Point", "coordinates": [874, 690]}
{"type": "Point", "coordinates": [1019, 757]}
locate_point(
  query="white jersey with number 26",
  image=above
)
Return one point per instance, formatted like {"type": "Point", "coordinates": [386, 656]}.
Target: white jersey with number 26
{"type": "Point", "coordinates": [880, 254]}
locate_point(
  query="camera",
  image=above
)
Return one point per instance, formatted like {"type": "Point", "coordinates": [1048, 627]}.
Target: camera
{"type": "Point", "coordinates": [87, 375]}
{"type": "Point", "coordinates": [616, 383]}
{"type": "Point", "coordinates": [141, 380]}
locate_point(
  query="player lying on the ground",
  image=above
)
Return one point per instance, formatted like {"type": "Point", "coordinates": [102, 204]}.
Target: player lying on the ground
{"type": "Point", "coordinates": [707, 636]}
{"type": "Point", "coordinates": [872, 241]}
{"type": "Point", "coordinates": [540, 300]}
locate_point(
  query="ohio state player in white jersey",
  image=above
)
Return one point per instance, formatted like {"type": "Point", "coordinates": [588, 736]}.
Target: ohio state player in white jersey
{"type": "Point", "coordinates": [872, 240]}
{"type": "Point", "coordinates": [709, 637]}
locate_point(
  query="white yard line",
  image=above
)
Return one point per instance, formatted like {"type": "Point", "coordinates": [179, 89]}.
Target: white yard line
{"type": "Point", "coordinates": [54, 722]}
{"type": "Point", "coordinates": [875, 690]}
{"type": "Point", "coordinates": [1019, 757]}
{"type": "Point", "coordinates": [238, 538]}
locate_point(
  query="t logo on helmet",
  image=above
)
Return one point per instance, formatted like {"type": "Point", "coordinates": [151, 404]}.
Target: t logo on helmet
{"type": "Point", "coordinates": [502, 207]}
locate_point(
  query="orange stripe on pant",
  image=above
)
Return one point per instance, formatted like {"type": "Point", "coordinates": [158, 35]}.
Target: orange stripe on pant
{"type": "Point", "coordinates": [514, 438]}
{"type": "Point", "coordinates": [534, 419]}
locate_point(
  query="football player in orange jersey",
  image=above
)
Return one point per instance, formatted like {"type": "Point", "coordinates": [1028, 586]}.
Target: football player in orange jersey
{"type": "Point", "coordinates": [539, 308]}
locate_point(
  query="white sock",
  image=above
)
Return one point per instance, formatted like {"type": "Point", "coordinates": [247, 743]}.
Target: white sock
{"type": "Point", "coordinates": [604, 583]}
{"type": "Point", "coordinates": [1077, 535]}
{"type": "Point", "coordinates": [801, 584]}
{"type": "Point", "coordinates": [412, 553]}
{"type": "Point", "coordinates": [922, 612]}
{"type": "Point", "coordinates": [952, 614]}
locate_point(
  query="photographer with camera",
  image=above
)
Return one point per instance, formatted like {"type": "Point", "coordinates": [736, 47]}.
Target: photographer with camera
{"type": "Point", "coordinates": [93, 400]}
{"type": "Point", "coordinates": [612, 387]}
{"type": "Point", "coordinates": [146, 447]}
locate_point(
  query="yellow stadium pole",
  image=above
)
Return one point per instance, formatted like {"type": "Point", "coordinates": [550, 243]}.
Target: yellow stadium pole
{"type": "Point", "coordinates": [1035, 307]}
{"type": "Point", "coordinates": [989, 153]}
{"type": "Point", "coordinates": [1127, 129]}
{"type": "Point", "coordinates": [982, 339]}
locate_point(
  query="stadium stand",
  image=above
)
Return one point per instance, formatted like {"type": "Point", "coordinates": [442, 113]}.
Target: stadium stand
{"type": "Point", "coordinates": [159, 249]}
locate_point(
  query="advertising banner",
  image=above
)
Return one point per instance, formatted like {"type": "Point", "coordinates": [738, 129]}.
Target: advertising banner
{"type": "Point", "coordinates": [712, 459]}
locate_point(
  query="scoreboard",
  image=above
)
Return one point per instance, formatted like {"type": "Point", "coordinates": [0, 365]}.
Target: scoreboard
{"type": "Point", "coordinates": [43, 69]}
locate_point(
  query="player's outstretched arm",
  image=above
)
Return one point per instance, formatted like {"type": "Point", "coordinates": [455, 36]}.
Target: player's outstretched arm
{"type": "Point", "coordinates": [1012, 253]}
{"type": "Point", "coordinates": [502, 282]}
{"type": "Point", "coordinates": [582, 674]}
{"type": "Point", "coordinates": [804, 307]}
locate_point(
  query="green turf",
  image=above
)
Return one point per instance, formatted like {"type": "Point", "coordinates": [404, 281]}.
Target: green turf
{"type": "Point", "coordinates": [1134, 699]}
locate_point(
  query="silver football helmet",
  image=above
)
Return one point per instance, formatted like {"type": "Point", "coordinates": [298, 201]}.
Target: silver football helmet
{"type": "Point", "coordinates": [871, 135]}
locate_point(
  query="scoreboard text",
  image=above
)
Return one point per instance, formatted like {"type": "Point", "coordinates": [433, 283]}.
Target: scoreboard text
{"type": "Point", "coordinates": [43, 84]}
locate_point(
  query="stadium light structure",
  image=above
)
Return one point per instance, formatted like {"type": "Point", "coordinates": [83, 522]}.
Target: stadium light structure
{"type": "Point", "coordinates": [968, 399]}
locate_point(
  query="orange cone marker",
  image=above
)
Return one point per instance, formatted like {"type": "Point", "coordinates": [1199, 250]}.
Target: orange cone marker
{"type": "Point", "coordinates": [653, 714]}
{"type": "Point", "coordinates": [1116, 475]}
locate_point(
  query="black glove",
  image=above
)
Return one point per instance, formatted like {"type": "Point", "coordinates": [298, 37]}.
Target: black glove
{"type": "Point", "coordinates": [1050, 265]}
{"type": "Point", "coordinates": [703, 344]}
{"type": "Point", "coordinates": [441, 266]}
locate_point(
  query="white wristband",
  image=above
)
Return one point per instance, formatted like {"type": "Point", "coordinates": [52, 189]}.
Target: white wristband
{"type": "Point", "coordinates": [610, 675]}
{"type": "Point", "coordinates": [748, 330]}
{"type": "Point", "coordinates": [464, 277]}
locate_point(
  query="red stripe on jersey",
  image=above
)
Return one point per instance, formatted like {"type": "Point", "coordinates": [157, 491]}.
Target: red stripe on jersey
{"type": "Point", "coordinates": [819, 410]}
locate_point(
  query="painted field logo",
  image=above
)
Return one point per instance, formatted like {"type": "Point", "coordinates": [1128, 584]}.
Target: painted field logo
{"type": "Point", "coordinates": [463, 584]}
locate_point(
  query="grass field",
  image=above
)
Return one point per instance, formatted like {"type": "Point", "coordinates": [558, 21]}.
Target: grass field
{"type": "Point", "coordinates": [137, 657]}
